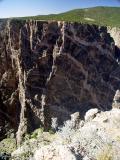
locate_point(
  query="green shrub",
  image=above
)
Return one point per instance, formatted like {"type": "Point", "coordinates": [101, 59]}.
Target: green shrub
{"type": "Point", "coordinates": [8, 145]}
{"type": "Point", "coordinates": [36, 133]}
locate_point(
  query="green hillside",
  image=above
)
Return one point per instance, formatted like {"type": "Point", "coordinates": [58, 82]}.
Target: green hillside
{"type": "Point", "coordinates": [109, 16]}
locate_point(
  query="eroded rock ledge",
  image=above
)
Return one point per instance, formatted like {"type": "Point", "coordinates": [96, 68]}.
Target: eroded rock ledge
{"type": "Point", "coordinates": [51, 70]}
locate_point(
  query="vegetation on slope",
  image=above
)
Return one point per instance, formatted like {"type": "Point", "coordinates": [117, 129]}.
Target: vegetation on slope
{"type": "Point", "coordinates": [107, 16]}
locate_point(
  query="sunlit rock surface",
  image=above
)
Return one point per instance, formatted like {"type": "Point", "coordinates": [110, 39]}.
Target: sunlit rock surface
{"type": "Point", "coordinates": [98, 138]}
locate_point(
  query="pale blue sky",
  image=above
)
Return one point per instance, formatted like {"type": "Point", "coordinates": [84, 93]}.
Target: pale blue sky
{"type": "Point", "coordinates": [14, 8]}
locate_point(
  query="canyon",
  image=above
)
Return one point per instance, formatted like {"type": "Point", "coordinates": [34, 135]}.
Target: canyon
{"type": "Point", "coordinates": [50, 70]}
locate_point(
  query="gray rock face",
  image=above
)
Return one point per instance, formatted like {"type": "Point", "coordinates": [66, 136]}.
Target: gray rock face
{"type": "Point", "coordinates": [115, 33]}
{"type": "Point", "coordinates": [116, 100]}
{"type": "Point", "coordinates": [54, 153]}
{"type": "Point", "coordinates": [53, 69]}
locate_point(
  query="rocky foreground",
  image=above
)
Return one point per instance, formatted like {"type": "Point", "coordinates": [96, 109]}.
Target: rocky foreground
{"type": "Point", "coordinates": [96, 138]}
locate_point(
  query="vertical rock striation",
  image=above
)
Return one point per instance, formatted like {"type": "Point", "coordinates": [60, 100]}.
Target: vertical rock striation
{"type": "Point", "coordinates": [115, 33]}
{"type": "Point", "coordinates": [51, 70]}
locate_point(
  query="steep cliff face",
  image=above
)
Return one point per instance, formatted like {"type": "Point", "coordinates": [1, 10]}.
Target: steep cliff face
{"type": "Point", "coordinates": [115, 33]}
{"type": "Point", "coordinates": [52, 69]}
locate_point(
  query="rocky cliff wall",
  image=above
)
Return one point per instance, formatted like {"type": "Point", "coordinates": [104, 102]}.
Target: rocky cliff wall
{"type": "Point", "coordinates": [115, 33]}
{"type": "Point", "coordinates": [52, 69]}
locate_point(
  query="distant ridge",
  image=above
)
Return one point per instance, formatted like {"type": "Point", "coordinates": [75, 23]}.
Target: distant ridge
{"type": "Point", "coordinates": [108, 16]}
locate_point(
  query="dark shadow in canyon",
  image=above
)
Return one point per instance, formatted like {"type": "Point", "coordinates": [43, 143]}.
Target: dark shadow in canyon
{"type": "Point", "coordinates": [79, 79]}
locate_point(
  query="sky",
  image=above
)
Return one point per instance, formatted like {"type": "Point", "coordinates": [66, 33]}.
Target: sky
{"type": "Point", "coordinates": [19, 8]}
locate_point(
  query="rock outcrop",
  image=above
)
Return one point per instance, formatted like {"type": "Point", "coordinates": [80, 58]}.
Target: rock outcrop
{"type": "Point", "coordinates": [51, 70]}
{"type": "Point", "coordinates": [98, 138]}
{"type": "Point", "coordinates": [115, 33]}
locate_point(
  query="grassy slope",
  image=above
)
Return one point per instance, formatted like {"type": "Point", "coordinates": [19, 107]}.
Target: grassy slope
{"type": "Point", "coordinates": [109, 16]}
